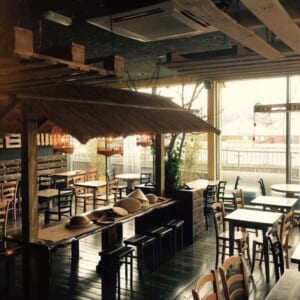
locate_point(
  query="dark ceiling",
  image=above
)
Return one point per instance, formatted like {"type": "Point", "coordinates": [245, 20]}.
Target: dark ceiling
{"type": "Point", "coordinates": [140, 57]}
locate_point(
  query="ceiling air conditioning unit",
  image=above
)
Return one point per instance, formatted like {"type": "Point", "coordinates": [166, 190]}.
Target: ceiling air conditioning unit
{"type": "Point", "coordinates": [165, 20]}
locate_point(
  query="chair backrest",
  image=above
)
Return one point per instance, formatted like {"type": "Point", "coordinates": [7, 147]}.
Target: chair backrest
{"type": "Point", "coordinates": [221, 189]}
{"type": "Point", "coordinates": [110, 174]}
{"type": "Point", "coordinates": [79, 178]}
{"type": "Point", "coordinates": [65, 199]}
{"type": "Point", "coordinates": [262, 187]}
{"type": "Point", "coordinates": [210, 194]}
{"type": "Point", "coordinates": [285, 228]}
{"type": "Point", "coordinates": [3, 219]}
{"type": "Point", "coordinates": [277, 253]}
{"type": "Point", "coordinates": [238, 198]}
{"type": "Point", "coordinates": [207, 287]}
{"type": "Point", "coordinates": [237, 182]}
{"type": "Point", "coordinates": [145, 177]}
{"type": "Point", "coordinates": [234, 278]}
{"type": "Point", "coordinates": [218, 213]}
{"type": "Point", "coordinates": [91, 174]}
{"type": "Point", "coordinates": [9, 190]}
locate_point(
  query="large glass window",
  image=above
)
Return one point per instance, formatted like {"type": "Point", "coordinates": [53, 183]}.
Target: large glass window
{"type": "Point", "coordinates": [253, 145]}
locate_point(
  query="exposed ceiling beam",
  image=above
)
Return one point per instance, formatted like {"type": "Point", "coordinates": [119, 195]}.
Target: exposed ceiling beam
{"type": "Point", "coordinates": [276, 18]}
{"type": "Point", "coordinates": [275, 108]}
{"type": "Point", "coordinates": [207, 11]}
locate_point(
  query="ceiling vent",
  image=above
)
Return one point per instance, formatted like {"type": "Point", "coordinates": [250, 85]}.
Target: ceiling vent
{"type": "Point", "coordinates": [161, 21]}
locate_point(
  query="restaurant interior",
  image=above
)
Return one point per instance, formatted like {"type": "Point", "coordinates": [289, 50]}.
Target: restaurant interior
{"type": "Point", "coordinates": [149, 149]}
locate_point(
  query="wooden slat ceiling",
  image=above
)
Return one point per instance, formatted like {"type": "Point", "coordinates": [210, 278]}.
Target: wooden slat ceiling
{"type": "Point", "coordinates": [206, 10]}
{"type": "Point", "coordinates": [28, 68]}
{"type": "Point", "coordinates": [233, 65]}
{"type": "Point", "coordinates": [276, 18]}
{"type": "Point", "coordinates": [252, 57]}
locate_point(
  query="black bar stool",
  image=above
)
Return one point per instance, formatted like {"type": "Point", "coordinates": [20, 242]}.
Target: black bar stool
{"type": "Point", "coordinates": [161, 233]}
{"type": "Point", "coordinates": [116, 257]}
{"type": "Point", "coordinates": [177, 226]}
{"type": "Point", "coordinates": [141, 242]}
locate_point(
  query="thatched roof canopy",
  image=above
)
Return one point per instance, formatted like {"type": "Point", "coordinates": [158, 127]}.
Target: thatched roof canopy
{"type": "Point", "coordinates": [88, 111]}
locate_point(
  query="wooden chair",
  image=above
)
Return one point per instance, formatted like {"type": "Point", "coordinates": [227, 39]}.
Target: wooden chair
{"type": "Point", "coordinates": [9, 193]}
{"type": "Point", "coordinates": [91, 174]}
{"type": "Point", "coordinates": [221, 190]}
{"type": "Point", "coordinates": [112, 190]}
{"type": "Point", "coordinates": [145, 183]}
{"type": "Point", "coordinates": [64, 206]}
{"type": "Point", "coordinates": [228, 197]}
{"type": "Point", "coordinates": [111, 175]}
{"type": "Point", "coordinates": [207, 287]}
{"type": "Point", "coordinates": [239, 202]}
{"type": "Point", "coordinates": [262, 187]}
{"type": "Point", "coordinates": [277, 253]}
{"type": "Point", "coordinates": [234, 278]}
{"type": "Point", "coordinates": [285, 227]}
{"type": "Point", "coordinates": [210, 197]}
{"type": "Point", "coordinates": [4, 205]}
{"type": "Point", "coordinates": [241, 239]}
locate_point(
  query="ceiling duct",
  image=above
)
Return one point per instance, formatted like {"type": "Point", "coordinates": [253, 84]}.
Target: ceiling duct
{"type": "Point", "coordinates": [165, 20]}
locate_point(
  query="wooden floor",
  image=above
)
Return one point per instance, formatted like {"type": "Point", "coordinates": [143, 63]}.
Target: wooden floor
{"type": "Point", "coordinates": [173, 279]}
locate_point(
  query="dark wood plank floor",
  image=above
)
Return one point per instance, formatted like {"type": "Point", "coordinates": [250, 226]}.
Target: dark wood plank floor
{"type": "Point", "coordinates": [173, 279]}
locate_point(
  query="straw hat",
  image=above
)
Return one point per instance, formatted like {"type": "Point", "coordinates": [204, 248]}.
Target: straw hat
{"type": "Point", "coordinates": [119, 211]}
{"type": "Point", "coordinates": [129, 204]}
{"type": "Point", "coordinates": [139, 195]}
{"type": "Point", "coordinates": [152, 198]}
{"type": "Point", "coordinates": [95, 214]}
{"type": "Point", "coordinates": [80, 221]}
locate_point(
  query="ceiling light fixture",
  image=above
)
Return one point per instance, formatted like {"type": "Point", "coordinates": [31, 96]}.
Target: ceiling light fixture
{"type": "Point", "coordinates": [57, 18]}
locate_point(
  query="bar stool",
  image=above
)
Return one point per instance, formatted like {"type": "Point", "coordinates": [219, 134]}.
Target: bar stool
{"type": "Point", "coordinates": [161, 233]}
{"type": "Point", "coordinates": [117, 257]}
{"type": "Point", "coordinates": [177, 227]}
{"type": "Point", "coordinates": [141, 242]}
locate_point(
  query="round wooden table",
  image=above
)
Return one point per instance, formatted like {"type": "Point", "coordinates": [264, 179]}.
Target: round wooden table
{"type": "Point", "coordinates": [289, 189]}
{"type": "Point", "coordinates": [129, 178]}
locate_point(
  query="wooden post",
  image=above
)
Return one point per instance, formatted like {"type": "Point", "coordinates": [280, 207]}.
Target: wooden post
{"type": "Point", "coordinates": [160, 164]}
{"type": "Point", "coordinates": [211, 137]}
{"type": "Point", "coordinates": [8, 19]}
{"type": "Point", "coordinates": [36, 260]}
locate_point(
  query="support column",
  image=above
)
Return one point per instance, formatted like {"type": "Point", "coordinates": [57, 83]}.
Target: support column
{"type": "Point", "coordinates": [160, 164]}
{"type": "Point", "coordinates": [36, 258]}
{"type": "Point", "coordinates": [8, 19]}
{"type": "Point", "coordinates": [211, 87]}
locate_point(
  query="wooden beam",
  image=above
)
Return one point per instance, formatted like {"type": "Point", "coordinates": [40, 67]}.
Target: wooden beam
{"type": "Point", "coordinates": [277, 108]}
{"type": "Point", "coordinates": [160, 164]}
{"type": "Point", "coordinates": [207, 11]}
{"type": "Point", "coordinates": [8, 19]}
{"type": "Point", "coordinates": [276, 18]}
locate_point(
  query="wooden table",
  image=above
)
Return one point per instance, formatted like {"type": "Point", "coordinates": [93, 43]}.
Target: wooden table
{"type": "Point", "coordinates": [283, 203]}
{"type": "Point", "coordinates": [57, 235]}
{"type": "Point", "coordinates": [66, 176]}
{"type": "Point", "coordinates": [94, 185]}
{"type": "Point", "coordinates": [287, 287]}
{"type": "Point", "coordinates": [48, 195]}
{"type": "Point", "coordinates": [256, 219]}
{"type": "Point", "coordinates": [295, 258]}
{"type": "Point", "coordinates": [289, 189]}
{"type": "Point", "coordinates": [129, 178]}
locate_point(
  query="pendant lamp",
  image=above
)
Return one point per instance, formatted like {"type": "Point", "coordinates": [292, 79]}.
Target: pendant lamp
{"type": "Point", "coordinates": [62, 141]}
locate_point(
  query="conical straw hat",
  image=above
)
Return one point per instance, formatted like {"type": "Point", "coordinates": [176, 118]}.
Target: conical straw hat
{"type": "Point", "coordinates": [138, 194]}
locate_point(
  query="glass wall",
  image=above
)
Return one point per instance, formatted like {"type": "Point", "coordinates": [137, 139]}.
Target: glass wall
{"type": "Point", "coordinates": [253, 145]}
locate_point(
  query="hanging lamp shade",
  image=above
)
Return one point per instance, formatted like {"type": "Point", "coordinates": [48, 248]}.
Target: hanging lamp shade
{"type": "Point", "coordinates": [109, 146]}
{"type": "Point", "coordinates": [144, 140]}
{"type": "Point", "coordinates": [61, 141]}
